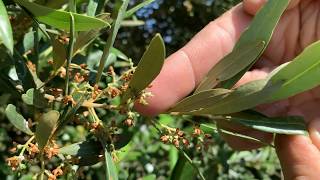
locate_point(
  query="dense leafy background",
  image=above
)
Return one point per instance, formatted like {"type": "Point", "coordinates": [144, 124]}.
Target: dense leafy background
{"type": "Point", "coordinates": [177, 21]}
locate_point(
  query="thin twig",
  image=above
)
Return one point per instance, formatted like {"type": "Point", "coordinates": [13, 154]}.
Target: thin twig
{"type": "Point", "coordinates": [70, 53]}
{"type": "Point", "coordinates": [110, 41]}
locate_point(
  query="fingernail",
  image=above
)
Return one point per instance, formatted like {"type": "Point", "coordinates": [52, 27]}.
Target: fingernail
{"type": "Point", "coordinates": [314, 132]}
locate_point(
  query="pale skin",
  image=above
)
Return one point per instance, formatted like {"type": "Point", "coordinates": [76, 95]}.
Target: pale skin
{"type": "Point", "coordinates": [298, 28]}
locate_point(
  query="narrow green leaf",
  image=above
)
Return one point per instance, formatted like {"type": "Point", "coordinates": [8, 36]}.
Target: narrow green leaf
{"type": "Point", "coordinates": [5, 28]}
{"type": "Point", "coordinates": [259, 31]}
{"type": "Point", "coordinates": [111, 171]}
{"type": "Point", "coordinates": [203, 99]}
{"type": "Point", "coordinates": [82, 149]}
{"type": "Point", "coordinates": [46, 127]}
{"type": "Point", "coordinates": [148, 68]}
{"type": "Point", "coordinates": [245, 97]}
{"type": "Point", "coordinates": [133, 10]}
{"type": "Point", "coordinates": [59, 54]}
{"type": "Point", "coordinates": [61, 19]}
{"type": "Point", "coordinates": [17, 119]}
{"type": "Point", "coordinates": [279, 125]}
{"type": "Point", "coordinates": [300, 75]}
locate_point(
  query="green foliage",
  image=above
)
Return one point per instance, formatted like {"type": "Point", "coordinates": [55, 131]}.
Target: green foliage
{"type": "Point", "coordinates": [60, 19]}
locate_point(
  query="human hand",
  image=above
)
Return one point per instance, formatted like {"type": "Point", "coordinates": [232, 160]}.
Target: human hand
{"type": "Point", "coordinates": [183, 71]}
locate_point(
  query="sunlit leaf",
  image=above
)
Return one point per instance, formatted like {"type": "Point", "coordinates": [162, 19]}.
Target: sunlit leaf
{"type": "Point", "coordinates": [300, 75]}
{"type": "Point", "coordinates": [17, 119]}
{"type": "Point", "coordinates": [45, 128]}
{"type": "Point", "coordinates": [5, 28]}
{"type": "Point", "coordinates": [61, 19]}
{"type": "Point", "coordinates": [148, 68]}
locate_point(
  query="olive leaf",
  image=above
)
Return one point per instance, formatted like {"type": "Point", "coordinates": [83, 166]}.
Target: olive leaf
{"type": "Point", "coordinates": [203, 99]}
{"type": "Point", "coordinates": [5, 28]}
{"type": "Point", "coordinates": [279, 125]}
{"type": "Point", "coordinates": [300, 75]}
{"type": "Point", "coordinates": [244, 97]}
{"type": "Point", "coordinates": [148, 68]}
{"type": "Point", "coordinates": [17, 119]}
{"type": "Point", "coordinates": [258, 35]}
{"type": "Point", "coordinates": [46, 127]}
{"type": "Point", "coordinates": [60, 19]}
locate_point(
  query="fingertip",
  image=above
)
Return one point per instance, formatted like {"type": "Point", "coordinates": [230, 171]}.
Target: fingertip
{"type": "Point", "coordinates": [314, 132]}
{"type": "Point", "coordinates": [298, 156]}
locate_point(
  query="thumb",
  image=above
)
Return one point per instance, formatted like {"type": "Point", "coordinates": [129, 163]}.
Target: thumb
{"type": "Point", "coordinates": [299, 155]}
